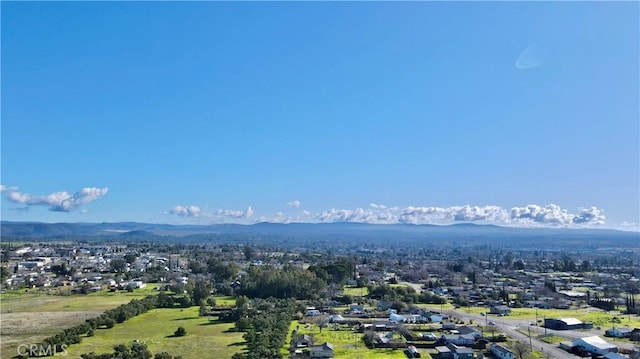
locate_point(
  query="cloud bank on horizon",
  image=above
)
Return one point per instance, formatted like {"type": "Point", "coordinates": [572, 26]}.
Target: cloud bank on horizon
{"type": "Point", "coordinates": [199, 212]}
{"type": "Point", "coordinates": [57, 201]}
{"type": "Point", "coordinates": [530, 215]}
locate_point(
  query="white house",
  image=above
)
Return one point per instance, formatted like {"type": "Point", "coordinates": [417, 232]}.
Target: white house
{"type": "Point", "coordinates": [321, 351]}
{"type": "Point", "coordinates": [501, 352]}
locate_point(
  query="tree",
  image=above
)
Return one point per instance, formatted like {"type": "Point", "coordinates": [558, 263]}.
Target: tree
{"type": "Point", "coordinates": [180, 332]}
{"type": "Point", "coordinates": [130, 258]}
{"type": "Point", "coordinates": [201, 290]}
{"type": "Point", "coordinates": [4, 273]}
{"type": "Point", "coordinates": [203, 310]}
{"type": "Point", "coordinates": [118, 265]}
{"type": "Point", "coordinates": [521, 350]}
{"type": "Point", "coordinates": [140, 351]}
{"type": "Point", "coordinates": [249, 253]}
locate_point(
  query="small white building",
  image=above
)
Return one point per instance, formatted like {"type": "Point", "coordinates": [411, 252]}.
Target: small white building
{"type": "Point", "coordinates": [595, 345]}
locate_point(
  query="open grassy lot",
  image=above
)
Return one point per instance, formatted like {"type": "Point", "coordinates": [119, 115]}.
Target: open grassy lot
{"type": "Point", "coordinates": [226, 301]}
{"type": "Point", "coordinates": [438, 307]}
{"type": "Point", "coordinates": [28, 316]}
{"type": "Point", "coordinates": [48, 301]}
{"type": "Point", "coordinates": [356, 292]}
{"type": "Point", "coordinates": [346, 344]}
{"type": "Point", "coordinates": [596, 316]}
{"type": "Point", "coordinates": [204, 339]}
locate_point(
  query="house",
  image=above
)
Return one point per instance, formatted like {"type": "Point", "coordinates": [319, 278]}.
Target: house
{"type": "Point", "coordinates": [501, 352]}
{"type": "Point", "coordinates": [460, 352]}
{"type": "Point", "coordinates": [432, 318]}
{"type": "Point", "coordinates": [594, 345]}
{"type": "Point", "coordinates": [321, 351]}
{"type": "Point", "coordinates": [566, 324]}
{"type": "Point", "coordinates": [312, 312]}
{"type": "Point", "coordinates": [303, 341]}
{"type": "Point", "coordinates": [500, 310]}
{"type": "Point", "coordinates": [459, 339]}
{"type": "Point", "coordinates": [444, 352]}
{"type": "Point", "coordinates": [470, 331]}
{"type": "Point", "coordinates": [618, 332]}
{"type": "Point", "coordinates": [452, 351]}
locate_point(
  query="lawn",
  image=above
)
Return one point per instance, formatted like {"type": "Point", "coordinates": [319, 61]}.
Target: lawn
{"type": "Point", "coordinates": [356, 292]}
{"type": "Point", "coordinates": [204, 339]}
{"type": "Point", "coordinates": [225, 301]}
{"type": "Point", "coordinates": [43, 301]}
{"type": "Point", "coordinates": [346, 343]}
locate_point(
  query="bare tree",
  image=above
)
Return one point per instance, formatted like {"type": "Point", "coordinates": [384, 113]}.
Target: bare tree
{"type": "Point", "coordinates": [521, 350]}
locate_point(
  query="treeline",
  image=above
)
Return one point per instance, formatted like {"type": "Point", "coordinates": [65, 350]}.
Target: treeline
{"type": "Point", "coordinates": [337, 272]}
{"type": "Point", "coordinates": [604, 303]}
{"type": "Point", "coordinates": [288, 282]}
{"type": "Point", "coordinates": [135, 351]}
{"type": "Point", "coordinates": [266, 324]}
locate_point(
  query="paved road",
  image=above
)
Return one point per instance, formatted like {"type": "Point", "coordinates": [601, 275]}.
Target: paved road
{"type": "Point", "coordinates": [510, 328]}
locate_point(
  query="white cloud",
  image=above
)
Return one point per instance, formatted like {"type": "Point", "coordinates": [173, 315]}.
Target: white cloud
{"type": "Point", "coordinates": [187, 211]}
{"type": "Point", "coordinates": [591, 215]}
{"type": "Point", "coordinates": [550, 214]}
{"type": "Point", "coordinates": [248, 213]}
{"type": "Point", "coordinates": [294, 204]}
{"type": "Point", "coordinates": [221, 215]}
{"type": "Point", "coordinates": [530, 215]}
{"type": "Point", "coordinates": [4, 188]}
{"type": "Point", "coordinates": [57, 201]}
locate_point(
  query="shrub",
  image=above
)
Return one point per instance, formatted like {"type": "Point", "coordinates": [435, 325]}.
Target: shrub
{"type": "Point", "coordinates": [180, 332]}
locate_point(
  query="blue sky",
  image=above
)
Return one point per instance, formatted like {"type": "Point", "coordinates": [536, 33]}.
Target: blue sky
{"type": "Point", "coordinates": [421, 112]}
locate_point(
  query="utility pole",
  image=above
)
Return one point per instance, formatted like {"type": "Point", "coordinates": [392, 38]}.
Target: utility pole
{"type": "Point", "coordinates": [530, 344]}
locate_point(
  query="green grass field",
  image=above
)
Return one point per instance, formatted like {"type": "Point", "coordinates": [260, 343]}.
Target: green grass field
{"type": "Point", "coordinates": [46, 301]}
{"type": "Point", "coordinates": [597, 317]}
{"type": "Point", "coordinates": [226, 301]}
{"type": "Point", "coordinates": [29, 316]}
{"type": "Point", "coordinates": [204, 339]}
{"type": "Point", "coordinates": [346, 344]}
{"type": "Point", "coordinates": [356, 292]}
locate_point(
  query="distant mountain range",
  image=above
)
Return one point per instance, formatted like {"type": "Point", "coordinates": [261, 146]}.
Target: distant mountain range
{"type": "Point", "coordinates": [293, 233]}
